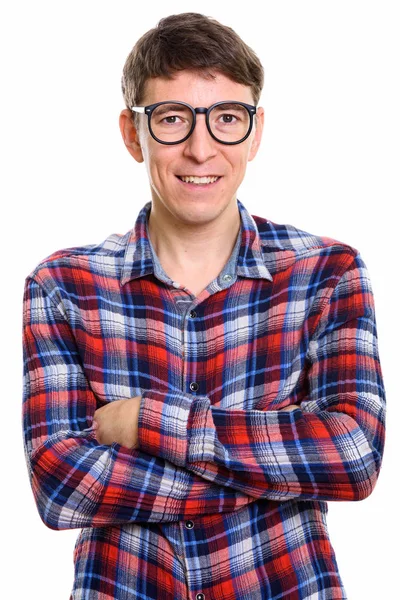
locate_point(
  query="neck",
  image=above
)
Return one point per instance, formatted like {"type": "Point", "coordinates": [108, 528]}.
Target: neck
{"type": "Point", "coordinates": [193, 245]}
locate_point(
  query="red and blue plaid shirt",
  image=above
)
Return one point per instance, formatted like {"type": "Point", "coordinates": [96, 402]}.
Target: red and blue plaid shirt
{"type": "Point", "coordinates": [226, 495]}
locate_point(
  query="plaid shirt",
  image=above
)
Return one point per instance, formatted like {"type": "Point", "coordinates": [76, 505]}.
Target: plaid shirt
{"type": "Point", "coordinates": [226, 495]}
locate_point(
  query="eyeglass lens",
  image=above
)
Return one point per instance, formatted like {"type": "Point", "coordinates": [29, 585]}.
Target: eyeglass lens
{"type": "Point", "coordinates": [172, 122]}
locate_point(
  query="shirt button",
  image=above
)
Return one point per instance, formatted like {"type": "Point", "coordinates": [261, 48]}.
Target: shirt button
{"type": "Point", "coordinates": [192, 314]}
{"type": "Point", "coordinates": [226, 277]}
{"type": "Point", "coordinates": [200, 597]}
{"type": "Point", "coordinates": [194, 386]}
{"type": "Point", "coordinates": [189, 524]}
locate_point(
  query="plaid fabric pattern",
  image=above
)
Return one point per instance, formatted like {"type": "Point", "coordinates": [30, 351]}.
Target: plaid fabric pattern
{"type": "Point", "coordinates": [226, 496]}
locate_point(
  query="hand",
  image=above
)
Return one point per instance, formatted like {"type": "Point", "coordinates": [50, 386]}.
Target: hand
{"type": "Point", "coordinates": [290, 407]}
{"type": "Point", "coordinates": [117, 421]}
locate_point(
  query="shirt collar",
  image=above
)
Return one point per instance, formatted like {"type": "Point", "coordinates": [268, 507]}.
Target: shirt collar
{"type": "Point", "coordinates": [138, 259]}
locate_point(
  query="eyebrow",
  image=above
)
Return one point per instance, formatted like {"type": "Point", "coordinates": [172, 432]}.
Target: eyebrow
{"type": "Point", "coordinates": [230, 106]}
{"type": "Point", "coordinates": [164, 108]}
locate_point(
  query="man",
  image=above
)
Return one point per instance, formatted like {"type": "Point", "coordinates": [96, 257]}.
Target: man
{"type": "Point", "coordinates": [197, 389]}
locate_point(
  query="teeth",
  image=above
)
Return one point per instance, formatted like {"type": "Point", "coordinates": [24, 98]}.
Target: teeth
{"type": "Point", "coordinates": [198, 180]}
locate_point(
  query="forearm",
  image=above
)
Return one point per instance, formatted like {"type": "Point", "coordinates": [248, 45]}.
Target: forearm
{"type": "Point", "coordinates": [298, 454]}
{"type": "Point", "coordinates": [79, 483]}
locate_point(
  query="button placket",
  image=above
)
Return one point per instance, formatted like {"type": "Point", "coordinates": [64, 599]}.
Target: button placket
{"type": "Point", "coordinates": [193, 385]}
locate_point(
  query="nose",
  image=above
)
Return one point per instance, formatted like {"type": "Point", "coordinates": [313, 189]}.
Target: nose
{"type": "Point", "coordinates": [200, 146]}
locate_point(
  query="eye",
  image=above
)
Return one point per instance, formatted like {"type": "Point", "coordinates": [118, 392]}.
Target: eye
{"type": "Point", "coordinates": [228, 118]}
{"type": "Point", "coordinates": [172, 119]}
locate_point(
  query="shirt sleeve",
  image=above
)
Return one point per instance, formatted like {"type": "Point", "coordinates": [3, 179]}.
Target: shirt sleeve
{"type": "Point", "coordinates": [76, 481]}
{"type": "Point", "coordinates": [329, 448]}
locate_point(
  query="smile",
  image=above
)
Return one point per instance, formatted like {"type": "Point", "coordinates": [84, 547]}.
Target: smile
{"type": "Point", "coordinates": [198, 180]}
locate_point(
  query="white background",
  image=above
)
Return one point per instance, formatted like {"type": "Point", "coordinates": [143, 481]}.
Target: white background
{"type": "Point", "coordinates": [329, 164]}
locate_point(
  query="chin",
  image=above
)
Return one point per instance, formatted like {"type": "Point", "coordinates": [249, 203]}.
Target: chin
{"type": "Point", "coordinates": [202, 212]}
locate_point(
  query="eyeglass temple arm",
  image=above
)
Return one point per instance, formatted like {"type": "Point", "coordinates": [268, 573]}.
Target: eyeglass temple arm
{"type": "Point", "coordinates": [139, 109]}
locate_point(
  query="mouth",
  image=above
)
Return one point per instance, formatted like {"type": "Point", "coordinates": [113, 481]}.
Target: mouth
{"type": "Point", "coordinates": [205, 181]}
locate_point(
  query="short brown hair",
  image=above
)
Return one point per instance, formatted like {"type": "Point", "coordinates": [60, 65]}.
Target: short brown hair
{"type": "Point", "coordinates": [189, 41]}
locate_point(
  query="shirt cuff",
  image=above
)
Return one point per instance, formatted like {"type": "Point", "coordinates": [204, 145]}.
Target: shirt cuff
{"type": "Point", "coordinates": [165, 423]}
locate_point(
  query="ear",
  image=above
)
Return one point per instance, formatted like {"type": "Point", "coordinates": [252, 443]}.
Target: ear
{"type": "Point", "coordinates": [130, 135]}
{"type": "Point", "coordinates": [259, 125]}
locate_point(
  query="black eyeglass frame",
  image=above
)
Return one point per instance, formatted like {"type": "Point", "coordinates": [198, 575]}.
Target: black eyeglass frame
{"type": "Point", "coordinates": [201, 110]}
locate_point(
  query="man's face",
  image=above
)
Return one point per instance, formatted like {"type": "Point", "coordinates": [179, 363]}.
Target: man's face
{"type": "Point", "coordinates": [200, 155]}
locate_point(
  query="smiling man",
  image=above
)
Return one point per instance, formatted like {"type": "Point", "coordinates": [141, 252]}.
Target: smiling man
{"type": "Point", "coordinates": [197, 389]}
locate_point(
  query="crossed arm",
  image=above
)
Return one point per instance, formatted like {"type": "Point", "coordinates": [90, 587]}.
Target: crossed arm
{"type": "Point", "coordinates": [117, 422]}
{"type": "Point", "coordinates": [184, 457]}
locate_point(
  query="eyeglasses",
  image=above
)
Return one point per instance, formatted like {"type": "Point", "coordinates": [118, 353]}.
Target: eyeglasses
{"type": "Point", "coordinates": [172, 122]}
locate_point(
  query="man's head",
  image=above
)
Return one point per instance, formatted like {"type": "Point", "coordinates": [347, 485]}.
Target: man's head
{"type": "Point", "coordinates": [193, 59]}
